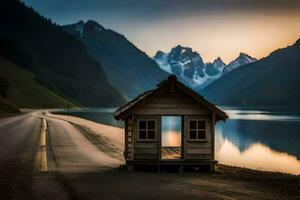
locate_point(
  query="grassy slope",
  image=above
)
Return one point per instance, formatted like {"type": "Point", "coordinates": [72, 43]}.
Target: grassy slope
{"type": "Point", "coordinates": [7, 107]}
{"type": "Point", "coordinates": [24, 91]}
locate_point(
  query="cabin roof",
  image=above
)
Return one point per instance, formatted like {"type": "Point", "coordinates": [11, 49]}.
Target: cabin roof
{"type": "Point", "coordinates": [125, 110]}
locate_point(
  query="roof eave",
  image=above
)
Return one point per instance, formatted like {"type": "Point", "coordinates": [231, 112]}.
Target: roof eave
{"type": "Point", "coordinates": [119, 114]}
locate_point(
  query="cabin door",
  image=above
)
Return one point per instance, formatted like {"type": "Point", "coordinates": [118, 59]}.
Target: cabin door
{"type": "Point", "coordinates": [171, 137]}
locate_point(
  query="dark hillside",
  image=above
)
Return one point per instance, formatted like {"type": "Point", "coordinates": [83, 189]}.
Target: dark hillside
{"type": "Point", "coordinates": [58, 59]}
{"type": "Point", "coordinates": [18, 86]}
{"type": "Point", "coordinates": [271, 81]}
{"type": "Point", "coordinates": [128, 68]}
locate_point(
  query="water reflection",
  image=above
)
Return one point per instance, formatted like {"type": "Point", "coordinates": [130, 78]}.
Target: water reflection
{"type": "Point", "coordinates": [260, 139]}
{"type": "Point", "coordinates": [283, 136]}
{"type": "Point", "coordinates": [258, 115]}
{"type": "Point", "coordinates": [257, 156]}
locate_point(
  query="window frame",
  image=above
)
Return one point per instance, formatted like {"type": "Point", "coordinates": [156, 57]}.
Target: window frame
{"type": "Point", "coordinates": [146, 130]}
{"type": "Point", "coordinates": [197, 130]}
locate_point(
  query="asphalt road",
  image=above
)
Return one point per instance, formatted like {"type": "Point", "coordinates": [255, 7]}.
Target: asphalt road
{"type": "Point", "coordinates": [67, 150]}
{"type": "Point", "coordinates": [18, 143]}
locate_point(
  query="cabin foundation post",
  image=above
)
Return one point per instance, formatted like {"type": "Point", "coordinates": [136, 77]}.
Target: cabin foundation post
{"type": "Point", "coordinates": [180, 169]}
{"type": "Point", "coordinates": [130, 168]}
{"type": "Point", "coordinates": [212, 167]}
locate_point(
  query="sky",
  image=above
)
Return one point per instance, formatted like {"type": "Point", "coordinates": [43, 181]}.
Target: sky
{"type": "Point", "coordinates": [213, 28]}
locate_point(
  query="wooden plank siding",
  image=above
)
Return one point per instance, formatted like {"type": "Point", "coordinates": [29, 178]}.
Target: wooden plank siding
{"type": "Point", "coordinates": [126, 140]}
{"type": "Point", "coordinates": [213, 123]}
{"type": "Point", "coordinates": [172, 104]}
{"type": "Point", "coordinates": [198, 149]}
{"type": "Point", "coordinates": [146, 150]}
{"type": "Point", "coordinates": [129, 132]}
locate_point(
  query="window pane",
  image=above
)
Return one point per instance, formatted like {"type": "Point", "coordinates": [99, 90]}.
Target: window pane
{"type": "Point", "coordinates": [151, 124]}
{"type": "Point", "coordinates": [151, 134]}
{"type": "Point", "coordinates": [193, 124]}
{"type": "Point", "coordinates": [142, 124]}
{"type": "Point", "coordinates": [201, 134]}
{"type": "Point", "coordinates": [201, 124]}
{"type": "Point", "coordinates": [142, 134]}
{"type": "Point", "coordinates": [193, 135]}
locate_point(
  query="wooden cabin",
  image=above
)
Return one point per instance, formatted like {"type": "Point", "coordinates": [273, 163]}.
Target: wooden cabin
{"type": "Point", "coordinates": [172, 126]}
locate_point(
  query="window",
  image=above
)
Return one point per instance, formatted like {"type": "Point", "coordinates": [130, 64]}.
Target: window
{"type": "Point", "coordinates": [197, 130]}
{"type": "Point", "coordinates": [146, 129]}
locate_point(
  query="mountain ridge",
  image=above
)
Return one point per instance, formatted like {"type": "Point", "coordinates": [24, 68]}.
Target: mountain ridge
{"type": "Point", "coordinates": [271, 81]}
{"type": "Point", "coordinates": [189, 66]}
{"type": "Point", "coordinates": [241, 60]}
{"type": "Point", "coordinates": [122, 60]}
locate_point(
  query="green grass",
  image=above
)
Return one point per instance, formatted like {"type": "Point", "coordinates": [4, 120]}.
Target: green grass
{"type": "Point", "coordinates": [25, 91]}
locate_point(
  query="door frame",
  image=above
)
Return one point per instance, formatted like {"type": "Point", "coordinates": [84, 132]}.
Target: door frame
{"type": "Point", "coordinates": [182, 135]}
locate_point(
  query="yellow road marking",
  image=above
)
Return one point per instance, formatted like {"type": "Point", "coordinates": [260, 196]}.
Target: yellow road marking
{"type": "Point", "coordinates": [42, 151]}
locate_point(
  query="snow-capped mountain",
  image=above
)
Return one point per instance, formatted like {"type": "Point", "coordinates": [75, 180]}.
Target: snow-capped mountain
{"type": "Point", "coordinates": [190, 68]}
{"type": "Point", "coordinates": [181, 61]}
{"type": "Point", "coordinates": [81, 27]}
{"type": "Point", "coordinates": [242, 59]}
{"type": "Point", "coordinates": [214, 68]}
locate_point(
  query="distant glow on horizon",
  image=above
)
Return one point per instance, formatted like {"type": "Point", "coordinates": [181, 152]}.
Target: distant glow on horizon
{"type": "Point", "coordinates": [216, 35]}
{"type": "Point", "coordinates": [212, 28]}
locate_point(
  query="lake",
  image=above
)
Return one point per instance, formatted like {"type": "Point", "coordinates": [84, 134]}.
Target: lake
{"type": "Point", "coordinates": [264, 140]}
{"type": "Point", "coordinates": [257, 139]}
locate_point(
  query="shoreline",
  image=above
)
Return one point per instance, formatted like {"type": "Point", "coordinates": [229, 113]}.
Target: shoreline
{"type": "Point", "coordinates": [247, 172]}
{"type": "Point", "coordinates": [94, 127]}
{"type": "Point", "coordinates": [93, 130]}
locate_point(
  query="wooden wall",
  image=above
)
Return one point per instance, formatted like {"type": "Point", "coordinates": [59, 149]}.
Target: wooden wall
{"type": "Point", "coordinates": [170, 103]}
{"type": "Point", "coordinates": [198, 149]}
{"type": "Point", "coordinates": [129, 134]}
{"type": "Point", "coordinates": [147, 150]}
